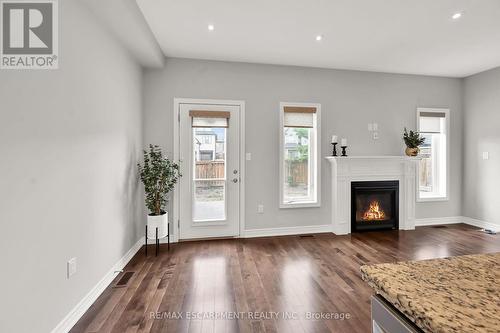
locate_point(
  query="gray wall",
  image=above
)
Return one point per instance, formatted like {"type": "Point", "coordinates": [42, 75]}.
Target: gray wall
{"type": "Point", "coordinates": [350, 100]}
{"type": "Point", "coordinates": [69, 141]}
{"type": "Point", "coordinates": [482, 134]}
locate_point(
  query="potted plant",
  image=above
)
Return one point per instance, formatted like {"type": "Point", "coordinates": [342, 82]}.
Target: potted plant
{"type": "Point", "coordinates": [413, 141]}
{"type": "Point", "coordinates": [159, 176]}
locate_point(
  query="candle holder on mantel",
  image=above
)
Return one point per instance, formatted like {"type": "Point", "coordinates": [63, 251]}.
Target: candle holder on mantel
{"type": "Point", "coordinates": [334, 151]}
{"type": "Point", "coordinates": [344, 153]}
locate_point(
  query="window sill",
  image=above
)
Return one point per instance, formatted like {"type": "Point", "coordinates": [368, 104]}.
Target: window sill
{"type": "Point", "coordinates": [300, 205]}
{"type": "Point", "coordinates": [207, 223]}
{"type": "Point", "coordinates": [432, 199]}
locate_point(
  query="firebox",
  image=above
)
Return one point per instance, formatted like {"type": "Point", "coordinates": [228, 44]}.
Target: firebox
{"type": "Point", "coordinates": [374, 205]}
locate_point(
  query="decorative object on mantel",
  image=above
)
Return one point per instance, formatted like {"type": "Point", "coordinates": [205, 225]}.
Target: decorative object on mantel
{"type": "Point", "coordinates": [334, 144]}
{"type": "Point", "coordinates": [159, 176]}
{"type": "Point", "coordinates": [413, 141]}
{"type": "Point", "coordinates": [343, 145]}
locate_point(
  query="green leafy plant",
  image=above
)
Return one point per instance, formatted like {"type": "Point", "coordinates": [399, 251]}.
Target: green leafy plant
{"type": "Point", "coordinates": [302, 152]}
{"type": "Point", "coordinates": [412, 139]}
{"type": "Point", "coordinates": [159, 176]}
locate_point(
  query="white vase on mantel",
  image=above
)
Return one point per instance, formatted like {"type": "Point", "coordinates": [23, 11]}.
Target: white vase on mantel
{"type": "Point", "coordinates": [160, 222]}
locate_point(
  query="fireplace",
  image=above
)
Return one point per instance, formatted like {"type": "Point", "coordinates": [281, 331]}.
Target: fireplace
{"type": "Point", "coordinates": [374, 205]}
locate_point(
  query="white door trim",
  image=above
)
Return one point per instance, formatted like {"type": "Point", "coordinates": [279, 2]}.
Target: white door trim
{"type": "Point", "coordinates": [176, 121]}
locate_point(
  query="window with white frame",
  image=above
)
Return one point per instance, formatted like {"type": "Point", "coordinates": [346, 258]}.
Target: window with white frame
{"type": "Point", "coordinates": [433, 125]}
{"type": "Point", "coordinates": [299, 133]}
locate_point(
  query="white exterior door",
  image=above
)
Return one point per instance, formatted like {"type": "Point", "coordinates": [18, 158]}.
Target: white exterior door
{"type": "Point", "coordinates": [209, 151]}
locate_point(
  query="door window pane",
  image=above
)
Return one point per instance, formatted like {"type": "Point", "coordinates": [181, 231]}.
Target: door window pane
{"type": "Point", "coordinates": [209, 175]}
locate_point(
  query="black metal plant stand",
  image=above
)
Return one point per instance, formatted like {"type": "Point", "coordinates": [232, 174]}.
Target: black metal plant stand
{"type": "Point", "coordinates": [157, 240]}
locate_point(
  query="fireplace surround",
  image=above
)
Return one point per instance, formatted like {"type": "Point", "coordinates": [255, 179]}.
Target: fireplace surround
{"type": "Point", "coordinates": [350, 169]}
{"type": "Point", "coordinates": [374, 205]}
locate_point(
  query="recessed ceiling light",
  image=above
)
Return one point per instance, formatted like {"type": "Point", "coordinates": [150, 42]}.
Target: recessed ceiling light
{"type": "Point", "coordinates": [456, 16]}
{"type": "Point", "coordinates": [319, 38]}
{"type": "Point", "coordinates": [211, 27]}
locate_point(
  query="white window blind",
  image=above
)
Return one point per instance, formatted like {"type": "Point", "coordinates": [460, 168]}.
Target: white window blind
{"type": "Point", "coordinates": [431, 122]}
{"type": "Point", "coordinates": [208, 119]}
{"type": "Point", "coordinates": [302, 117]}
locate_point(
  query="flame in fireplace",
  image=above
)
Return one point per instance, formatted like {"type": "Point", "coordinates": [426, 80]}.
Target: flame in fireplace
{"type": "Point", "coordinates": [374, 212]}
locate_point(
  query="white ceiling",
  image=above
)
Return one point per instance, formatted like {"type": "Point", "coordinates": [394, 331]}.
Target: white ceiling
{"type": "Point", "coordinates": [396, 36]}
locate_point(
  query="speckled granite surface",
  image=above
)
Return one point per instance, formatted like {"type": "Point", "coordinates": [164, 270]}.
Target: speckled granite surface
{"type": "Point", "coordinates": [457, 294]}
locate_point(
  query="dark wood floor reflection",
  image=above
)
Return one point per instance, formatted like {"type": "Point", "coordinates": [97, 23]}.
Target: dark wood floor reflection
{"type": "Point", "coordinates": [272, 284]}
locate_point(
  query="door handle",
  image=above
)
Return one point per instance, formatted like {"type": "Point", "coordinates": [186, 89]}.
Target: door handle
{"type": "Point", "coordinates": [235, 180]}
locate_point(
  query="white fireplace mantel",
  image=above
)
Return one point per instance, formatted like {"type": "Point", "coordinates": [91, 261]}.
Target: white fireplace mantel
{"type": "Point", "coordinates": [372, 168]}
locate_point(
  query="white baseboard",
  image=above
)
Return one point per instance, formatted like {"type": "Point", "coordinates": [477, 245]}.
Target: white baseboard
{"type": "Point", "coordinates": [286, 231]}
{"type": "Point", "coordinates": [456, 219]}
{"type": "Point", "coordinates": [481, 224]}
{"type": "Point", "coordinates": [438, 221]}
{"type": "Point", "coordinates": [77, 312]}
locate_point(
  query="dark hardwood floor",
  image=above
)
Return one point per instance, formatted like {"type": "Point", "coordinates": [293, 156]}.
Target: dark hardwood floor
{"type": "Point", "coordinates": [265, 280]}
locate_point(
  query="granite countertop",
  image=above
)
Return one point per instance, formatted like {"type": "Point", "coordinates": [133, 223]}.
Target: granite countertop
{"type": "Point", "coordinates": [457, 294]}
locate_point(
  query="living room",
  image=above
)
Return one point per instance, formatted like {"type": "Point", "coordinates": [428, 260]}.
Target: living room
{"type": "Point", "coordinates": [309, 166]}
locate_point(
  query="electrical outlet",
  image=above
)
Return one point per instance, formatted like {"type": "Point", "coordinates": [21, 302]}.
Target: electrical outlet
{"type": "Point", "coordinates": [260, 209]}
{"type": "Point", "coordinates": [486, 155]}
{"type": "Point", "coordinates": [249, 156]}
{"type": "Point", "coordinates": [375, 136]}
{"type": "Point", "coordinates": [71, 267]}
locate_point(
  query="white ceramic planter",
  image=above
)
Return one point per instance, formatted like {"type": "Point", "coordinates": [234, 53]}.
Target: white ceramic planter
{"type": "Point", "coordinates": [160, 222]}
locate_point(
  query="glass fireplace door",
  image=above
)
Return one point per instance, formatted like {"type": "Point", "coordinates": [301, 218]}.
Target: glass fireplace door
{"type": "Point", "coordinates": [374, 205]}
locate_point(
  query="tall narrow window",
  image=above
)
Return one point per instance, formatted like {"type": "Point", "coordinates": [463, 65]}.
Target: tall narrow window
{"type": "Point", "coordinates": [299, 133]}
{"type": "Point", "coordinates": [433, 125]}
